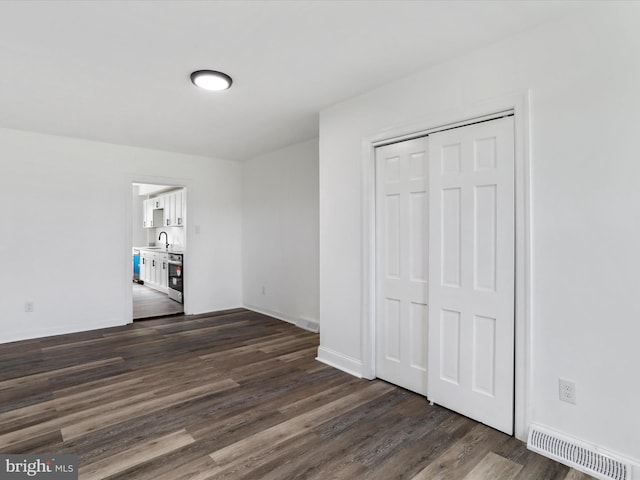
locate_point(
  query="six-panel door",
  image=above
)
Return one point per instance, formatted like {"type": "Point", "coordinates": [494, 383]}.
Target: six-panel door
{"type": "Point", "coordinates": [471, 271]}
{"type": "Point", "coordinates": [402, 209]}
{"type": "Point", "coordinates": [445, 232]}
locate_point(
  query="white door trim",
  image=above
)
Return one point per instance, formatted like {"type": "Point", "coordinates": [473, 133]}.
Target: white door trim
{"type": "Point", "coordinates": [519, 105]}
{"type": "Point", "coordinates": [127, 180]}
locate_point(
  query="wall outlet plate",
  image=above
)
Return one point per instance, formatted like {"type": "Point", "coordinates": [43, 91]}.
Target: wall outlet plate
{"type": "Point", "coordinates": [567, 390]}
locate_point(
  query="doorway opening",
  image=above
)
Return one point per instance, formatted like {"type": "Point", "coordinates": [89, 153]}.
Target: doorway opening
{"type": "Point", "coordinates": [159, 245]}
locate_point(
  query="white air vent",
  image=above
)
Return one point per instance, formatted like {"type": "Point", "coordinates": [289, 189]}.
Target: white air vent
{"type": "Point", "coordinates": [578, 455]}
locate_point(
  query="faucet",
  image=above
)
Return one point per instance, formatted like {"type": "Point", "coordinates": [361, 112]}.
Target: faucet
{"type": "Point", "coordinates": [166, 239]}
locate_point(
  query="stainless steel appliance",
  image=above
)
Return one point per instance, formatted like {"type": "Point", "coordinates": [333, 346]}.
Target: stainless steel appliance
{"type": "Point", "coordinates": [176, 275]}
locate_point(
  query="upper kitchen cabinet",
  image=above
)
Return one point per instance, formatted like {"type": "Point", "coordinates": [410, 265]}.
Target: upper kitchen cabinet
{"type": "Point", "coordinates": [166, 210]}
{"type": "Point", "coordinates": [158, 202]}
{"type": "Point", "coordinates": [174, 209]}
{"type": "Point", "coordinates": [147, 216]}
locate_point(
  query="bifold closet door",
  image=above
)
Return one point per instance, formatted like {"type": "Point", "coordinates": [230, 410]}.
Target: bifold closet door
{"type": "Point", "coordinates": [471, 271]}
{"type": "Point", "coordinates": [402, 226]}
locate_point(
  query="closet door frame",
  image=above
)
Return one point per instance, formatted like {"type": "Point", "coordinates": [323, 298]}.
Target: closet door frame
{"type": "Point", "coordinates": [518, 105]}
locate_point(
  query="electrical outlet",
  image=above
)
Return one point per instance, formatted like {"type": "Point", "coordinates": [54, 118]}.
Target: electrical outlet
{"type": "Point", "coordinates": [28, 306]}
{"type": "Point", "coordinates": [567, 390]}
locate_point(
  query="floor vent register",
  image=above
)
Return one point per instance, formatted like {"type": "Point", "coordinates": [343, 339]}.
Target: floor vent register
{"type": "Point", "coordinates": [578, 455]}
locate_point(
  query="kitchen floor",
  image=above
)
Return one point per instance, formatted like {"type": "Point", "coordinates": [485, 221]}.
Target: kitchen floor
{"type": "Point", "coordinates": [148, 303]}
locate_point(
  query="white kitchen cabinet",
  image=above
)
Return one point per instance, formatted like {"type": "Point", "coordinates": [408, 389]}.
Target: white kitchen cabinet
{"type": "Point", "coordinates": [152, 215]}
{"type": "Point", "coordinates": [179, 208]}
{"type": "Point", "coordinates": [163, 271]}
{"type": "Point", "coordinates": [145, 266]}
{"type": "Point", "coordinates": [158, 202]}
{"type": "Point", "coordinates": [169, 209]}
{"type": "Point", "coordinates": [174, 209]}
{"type": "Point", "coordinates": [154, 278]}
{"type": "Point", "coordinates": [154, 269]}
{"type": "Point", "coordinates": [147, 217]}
{"type": "Point", "coordinates": [165, 210]}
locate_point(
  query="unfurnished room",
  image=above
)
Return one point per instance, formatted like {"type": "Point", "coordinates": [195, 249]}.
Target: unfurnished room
{"type": "Point", "coordinates": [319, 239]}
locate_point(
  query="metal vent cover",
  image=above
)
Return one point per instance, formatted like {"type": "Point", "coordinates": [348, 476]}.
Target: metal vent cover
{"type": "Point", "coordinates": [577, 455]}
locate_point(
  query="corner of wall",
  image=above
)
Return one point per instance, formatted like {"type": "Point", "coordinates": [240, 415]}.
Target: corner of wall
{"type": "Point", "coordinates": [334, 359]}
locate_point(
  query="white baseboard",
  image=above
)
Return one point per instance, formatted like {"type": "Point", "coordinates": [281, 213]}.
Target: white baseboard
{"type": "Point", "coordinates": [270, 313]}
{"type": "Point", "coordinates": [308, 324]}
{"type": "Point", "coordinates": [347, 364]}
{"type": "Point", "coordinates": [301, 322]}
{"type": "Point", "coordinates": [60, 330]}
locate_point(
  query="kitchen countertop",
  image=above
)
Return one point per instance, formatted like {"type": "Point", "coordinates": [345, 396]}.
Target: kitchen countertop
{"type": "Point", "coordinates": [159, 250]}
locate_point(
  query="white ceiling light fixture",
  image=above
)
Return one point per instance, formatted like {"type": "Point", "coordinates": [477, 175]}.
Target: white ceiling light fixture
{"type": "Point", "coordinates": [211, 80]}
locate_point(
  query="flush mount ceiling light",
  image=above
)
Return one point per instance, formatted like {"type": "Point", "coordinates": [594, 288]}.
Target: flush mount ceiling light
{"type": "Point", "coordinates": [211, 80]}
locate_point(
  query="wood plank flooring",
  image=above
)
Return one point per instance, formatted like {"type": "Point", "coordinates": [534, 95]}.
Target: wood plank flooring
{"type": "Point", "coordinates": [148, 303]}
{"type": "Point", "coordinates": [234, 395]}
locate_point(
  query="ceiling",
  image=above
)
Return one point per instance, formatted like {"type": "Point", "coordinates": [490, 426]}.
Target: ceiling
{"type": "Point", "coordinates": [118, 71]}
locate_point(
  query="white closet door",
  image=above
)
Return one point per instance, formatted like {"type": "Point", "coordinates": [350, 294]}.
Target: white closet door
{"type": "Point", "coordinates": [471, 271]}
{"type": "Point", "coordinates": [402, 222]}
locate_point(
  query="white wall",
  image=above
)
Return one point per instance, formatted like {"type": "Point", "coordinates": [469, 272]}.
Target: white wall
{"type": "Point", "coordinates": [67, 234]}
{"type": "Point", "coordinates": [280, 233]}
{"type": "Point", "coordinates": [583, 72]}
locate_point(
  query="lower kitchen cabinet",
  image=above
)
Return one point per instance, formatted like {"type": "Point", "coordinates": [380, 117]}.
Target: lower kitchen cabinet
{"type": "Point", "coordinates": [163, 271]}
{"type": "Point", "coordinates": [154, 270]}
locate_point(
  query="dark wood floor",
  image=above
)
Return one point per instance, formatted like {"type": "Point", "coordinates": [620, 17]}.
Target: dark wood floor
{"type": "Point", "coordinates": [148, 303]}
{"type": "Point", "coordinates": [234, 395]}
